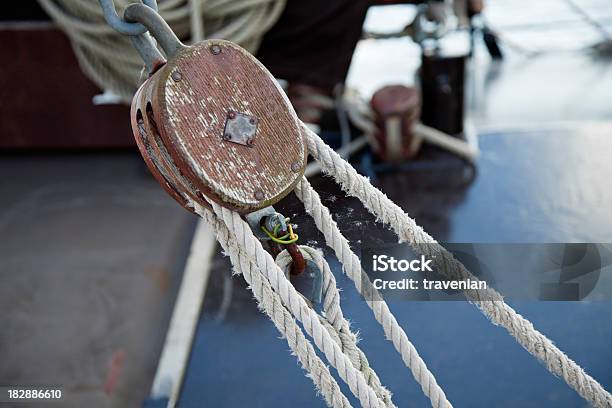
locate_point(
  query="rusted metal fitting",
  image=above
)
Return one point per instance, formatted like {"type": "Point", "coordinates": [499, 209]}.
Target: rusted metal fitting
{"type": "Point", "coordinates": [271, 221]}
{"type": "Point", "coordinates": [299, 264]}
{"type": "Point", "coordinates": [241, 128]}
{"type": "Point", "coordinates": [396, 109]}
{"type": "Point", "coordinates": [276, 222]}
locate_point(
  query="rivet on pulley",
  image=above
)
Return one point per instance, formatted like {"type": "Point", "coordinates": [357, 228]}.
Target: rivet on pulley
{"type": "Point", "coordinates": [215, 49]}
{"type": "Point", "coordinates": [176, 76]}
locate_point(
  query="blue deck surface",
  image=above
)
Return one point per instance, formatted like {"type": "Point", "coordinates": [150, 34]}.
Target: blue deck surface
{"type": "Point", "coordinates": [544, 186]}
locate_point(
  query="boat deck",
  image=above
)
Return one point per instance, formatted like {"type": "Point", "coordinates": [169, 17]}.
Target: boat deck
{"type": "Point", "coordinates": [92, 251]}
{"type": "Point", "coordinates": [545, 185]}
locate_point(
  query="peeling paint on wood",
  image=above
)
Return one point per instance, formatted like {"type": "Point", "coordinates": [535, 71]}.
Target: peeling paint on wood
{"type": "Point", "coordinates": [184, 136]}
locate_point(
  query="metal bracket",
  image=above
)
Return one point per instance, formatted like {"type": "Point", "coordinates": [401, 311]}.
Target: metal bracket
{"type": "Point", "coordinates": [122, 26]}
{"type": "Point", "coordinates": [240, 128]}
{"type": "Point", "coordinates": [254, 220]}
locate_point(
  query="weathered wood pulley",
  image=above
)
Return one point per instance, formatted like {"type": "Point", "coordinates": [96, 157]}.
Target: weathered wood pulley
{"type": "Point", "coordinates": [212, 122]}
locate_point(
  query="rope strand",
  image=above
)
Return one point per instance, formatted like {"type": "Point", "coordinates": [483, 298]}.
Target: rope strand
{"type": "Point", "coordinates": [298, 307]}
{"type": "Point", "coordinates": [270, 303]}
{"type": "Point", "coordinates": [335, 322]}
{"type": "Point", "coordinates": [491, 303]}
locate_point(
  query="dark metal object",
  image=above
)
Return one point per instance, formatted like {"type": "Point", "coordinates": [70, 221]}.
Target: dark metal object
{"type": "Point", "coordinates": [276, 221]}
{"type": "Point", "coordinates": [299, 264]}
{"type": "Point", "coordinates": [396, 109]}
{"type": "Point", "coordinates": [309, 284]}
{"type": "Point", "coordinates": [240, 128]}
{"type": "Point", "coordinates": [215, 49]}
{"type": "Point", "coordinates": [176, 76]}
{"type": "Point", "coordinates": [492, 43]}
{"type": "Point", "coordinates": [442, 89]}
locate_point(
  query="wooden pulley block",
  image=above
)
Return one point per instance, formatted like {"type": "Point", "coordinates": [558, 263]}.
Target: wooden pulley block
{"type": "Point", "coordinates": [396, 109]}
{"type": "Point", "coordinates": [212, 123]}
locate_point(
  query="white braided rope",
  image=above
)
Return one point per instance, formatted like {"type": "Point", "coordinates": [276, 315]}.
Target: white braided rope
{"type": "Point", "coordinates": [352, 267]}
{"type": "Point", "coordinates": [335, 322]}
{"type": "Point", "coordinates": [331, 295]}
{"type": "Point", "coordinates": [489, 302]}
{"type": "Point", "coordinates": [296, 304]}
{"type": "Point", "coordinates": [270, 302]}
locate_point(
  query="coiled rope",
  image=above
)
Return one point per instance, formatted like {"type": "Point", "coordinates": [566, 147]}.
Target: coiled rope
{"type": "Point", "coordinates": [111, 62]}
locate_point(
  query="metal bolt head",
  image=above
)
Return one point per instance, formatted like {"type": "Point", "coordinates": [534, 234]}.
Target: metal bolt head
{"type": "Point", "coordinates": [176, 76]}
{"type": "Point", "coordinates": [295, 167]}
{"type": "Point", "coordinates": [231, 114]}
{"type": "Point", "coordinates": [215, 49]}
{"type": "Point", "coordinates": [252, 121]}
{"type": "Point", "coordinates": [227, 136]}
{"type": "Point", "coordinates": [249, 142]}
{"type": "Point", "coordinates": [259, 195]}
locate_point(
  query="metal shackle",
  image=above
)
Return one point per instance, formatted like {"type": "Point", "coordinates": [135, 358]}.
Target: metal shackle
{"type": "Point", "coordinates": [143, 24]}
{"type": "Point", "coordinates": [156, 25]}
{"type": "Point", "coordinates": [116, 22]}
